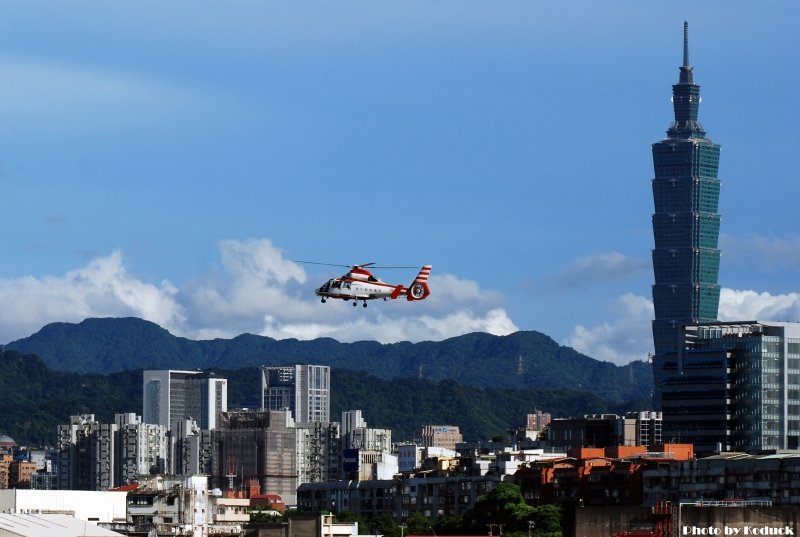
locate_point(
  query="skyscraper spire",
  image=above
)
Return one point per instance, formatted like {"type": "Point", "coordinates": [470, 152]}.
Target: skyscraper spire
{"type": "Point", "coordinates": [685, 44]}
{"type": "Point", "coordinates": [686, 69]}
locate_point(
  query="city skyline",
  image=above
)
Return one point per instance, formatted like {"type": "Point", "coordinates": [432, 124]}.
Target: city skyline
{"type": "Point", "coordinates": [169, 162]}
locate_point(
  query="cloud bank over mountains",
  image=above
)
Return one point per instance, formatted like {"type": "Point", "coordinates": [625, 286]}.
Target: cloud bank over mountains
{"type": "Point", "coordinates": [254, 290]}
{"type": "Point", "coordinates": [628, 336]}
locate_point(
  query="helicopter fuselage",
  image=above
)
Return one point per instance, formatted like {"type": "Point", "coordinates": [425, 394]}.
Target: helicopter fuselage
{"type": "Point", "coordinates": [361, 284]}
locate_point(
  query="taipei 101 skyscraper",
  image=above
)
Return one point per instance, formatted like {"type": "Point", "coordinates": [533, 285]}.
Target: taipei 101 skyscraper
{"type": "Point", "coordinates": [685, 222]}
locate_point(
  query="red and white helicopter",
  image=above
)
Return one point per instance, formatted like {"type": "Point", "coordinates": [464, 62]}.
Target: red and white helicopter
{"type": "Point", "coordinates": [360, 284]}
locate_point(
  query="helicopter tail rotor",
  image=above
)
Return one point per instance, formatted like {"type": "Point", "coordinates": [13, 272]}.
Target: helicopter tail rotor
{"type": "Point", "coordinates": [419, 290]}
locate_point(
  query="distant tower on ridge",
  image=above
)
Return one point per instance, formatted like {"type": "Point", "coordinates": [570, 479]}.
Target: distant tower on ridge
{"type": "Point", "coordinates": [685, 222]}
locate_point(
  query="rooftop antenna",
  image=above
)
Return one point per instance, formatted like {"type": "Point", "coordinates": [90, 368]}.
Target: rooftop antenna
{"type": "Point", "coordinates": [231, 471]}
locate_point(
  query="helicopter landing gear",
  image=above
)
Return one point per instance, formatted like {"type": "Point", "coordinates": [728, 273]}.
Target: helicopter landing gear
{"type": "Point", "coordinates": [365, 303]}
{"type": "Point", "coordinates": [322, 300]}
{"type": "Point", "coordinates": [355, 303]}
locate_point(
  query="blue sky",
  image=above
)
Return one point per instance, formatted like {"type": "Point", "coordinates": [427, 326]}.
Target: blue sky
{"type": "Point", "coordinates": [169, 160]}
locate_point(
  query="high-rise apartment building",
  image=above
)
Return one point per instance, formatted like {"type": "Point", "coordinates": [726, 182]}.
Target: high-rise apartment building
{"type": "Point", "coordinates": [86, 454]}
{"type": "Point", "coordinates": [259, 445]}
{"type": "Point", "coordinates": [175, 395]}
{"type": "Point", "coordinates": [685, 222]}
{"type": "Point", "coordinates": [303, 389]}
{"type": "Point", "coordinates": [318, 451]}
{"type": "Point", "coordinates": [99, 456]}
{"type": "Point", "coordinates": [189, 448]}
{"type": "Point", "coordinates": [140, 448]}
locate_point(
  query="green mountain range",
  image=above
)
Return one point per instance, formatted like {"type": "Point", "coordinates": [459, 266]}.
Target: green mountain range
{"type": "Point", "coordinates": [521, 360]}
{"type": "Point", "coordinates": [484, 384]}
{"type": "Point", "coordinates": [35, 399]}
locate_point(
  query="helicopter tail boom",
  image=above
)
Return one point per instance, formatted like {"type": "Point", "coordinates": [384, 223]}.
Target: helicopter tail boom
{"type": "Point", "coordinates": [419, 290]}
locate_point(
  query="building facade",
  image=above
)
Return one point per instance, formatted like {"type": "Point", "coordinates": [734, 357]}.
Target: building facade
{"type": "Point", "coordinates": [303, 389]}
{"type": "Point", "coordinates": [432, 497]}
{"type": "Point", "coordinates": [319, 451]}
{"type": "Point", "coordinates": [685, 221]}
{"type": "Point", "coordinates": [734, 387]}
{"type": "Point", "coordinates": [259, 445]}
{"type": "Point", "coordinates": [169, 395]}
{"type": "Point", "coordinates": [444, 436]}
{"type": "Point", "coordinates": [141, 448]}
{"type": "Point", "coordinates": [189, 449]}
{"type": "Point", "coordinates": [86, 454]}
{"type": "Point", "coordinates": [607, 430]}
{"type": "Point", "coordinates": [99, 456]}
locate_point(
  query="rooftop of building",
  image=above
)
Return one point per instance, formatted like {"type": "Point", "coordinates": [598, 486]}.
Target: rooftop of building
{"type": "Point", "coordinates": [50, 525]}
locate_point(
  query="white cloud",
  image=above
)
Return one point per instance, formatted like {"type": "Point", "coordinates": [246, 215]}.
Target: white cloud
{"type": "Point", "coordinates": [626, 338]}
{"type": "Point", "coordinates": [102, 288]}
{"type": "Point", "coordinates": [255, 290]}
{"type": "Point", "coordinates": [745, 305]}
{"type": "Point", "coordinates": [406, 327]}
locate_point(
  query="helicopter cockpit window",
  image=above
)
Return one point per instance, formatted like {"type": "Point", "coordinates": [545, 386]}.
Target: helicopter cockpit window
{"type": "Point", "coordinates": [327, 285]}
{"type": "Point", "coordinates": [346, 285]}
{"type": "Point", "coordinates": [336, 285]}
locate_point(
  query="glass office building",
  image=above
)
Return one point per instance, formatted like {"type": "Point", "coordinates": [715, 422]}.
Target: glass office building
{"type": "Point", "coordinates": [734, 387]}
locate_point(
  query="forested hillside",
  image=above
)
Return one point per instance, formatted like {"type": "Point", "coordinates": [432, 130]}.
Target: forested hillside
{"type": "Point", "coordinates": [521, 360]}
{"type": "Point", "coordinates": [34, 399]}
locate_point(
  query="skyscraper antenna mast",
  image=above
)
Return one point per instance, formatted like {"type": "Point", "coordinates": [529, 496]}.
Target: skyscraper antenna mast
{"type": "Point", "coordinates": [685, 44]}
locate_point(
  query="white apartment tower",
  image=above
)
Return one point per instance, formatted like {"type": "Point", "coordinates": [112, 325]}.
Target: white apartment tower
{"type": "Point", "coordinates": [141, 448]}
{"type": "Point", "coordinates": [169, 395]}
{"type": "Point", "coordinates": [303, 389]}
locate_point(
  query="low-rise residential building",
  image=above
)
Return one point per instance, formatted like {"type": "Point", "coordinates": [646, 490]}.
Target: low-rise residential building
{"type": "Point", "coordinates": [771, 477]}
{"type": "Point", "coordinates": [363, 465]}
{"type": "Point", "coordinates": [168, 505]}
{"type": "Point", "coordinates": [431, 496]}
{"type": "Point", "coordinates": [303, 525]}
{"type": "Point", "coordinates": [606, 430]}
{"type": "Point", "coordinates": [444, 436]}
{"type": "Point", "coordinates": [596, 476]}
